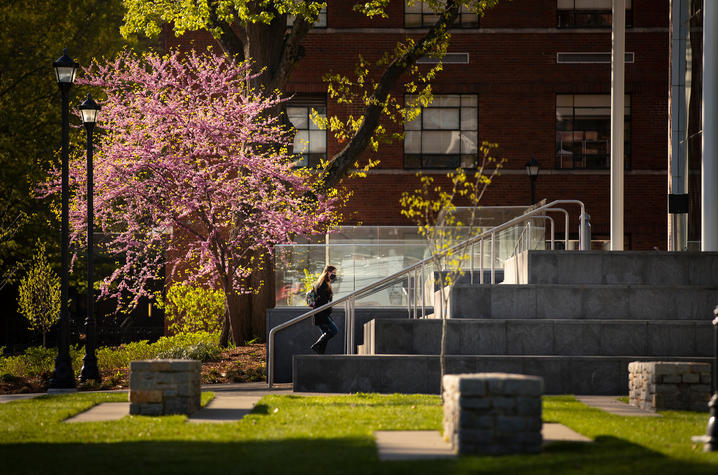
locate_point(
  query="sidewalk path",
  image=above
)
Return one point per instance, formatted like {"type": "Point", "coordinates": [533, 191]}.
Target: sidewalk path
{"type": "Point", "coordinates": [429, 444]}
{"type": "Point", "coordinates": [231, 403]}
{"type": "Point", "coordinates": [17, 397]}
{"type": "Point", "coordinates": [612, 405]}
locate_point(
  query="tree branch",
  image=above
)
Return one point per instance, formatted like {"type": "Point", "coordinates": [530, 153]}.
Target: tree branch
{"type": "Point", "coordinates": [292, 51]}
{"type": "Point", "coordinates": [228, 40]}
{"type": "Point", "coordinates": [342, 161]}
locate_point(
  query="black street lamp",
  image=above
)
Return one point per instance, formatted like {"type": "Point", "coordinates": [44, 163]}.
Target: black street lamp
{"type": "Point", "coordinates": [711, 437]}
{"type": "Point", "coordinates": [63, 378]}
{"type": "Point", "coordinates": [532, 170]}
{"type": "Point", "coordinates": [89, 110]}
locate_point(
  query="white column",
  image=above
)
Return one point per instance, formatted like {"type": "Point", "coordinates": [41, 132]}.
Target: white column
{"type": "Point", "coordinates": [677, 124]}
{"type": "Point", "coordinates": [709, 172]}
{"type": "Point", "coordinates": [618, 62]}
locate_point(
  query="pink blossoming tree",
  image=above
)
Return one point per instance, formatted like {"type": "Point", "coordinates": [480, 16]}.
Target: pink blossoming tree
{"type": "Point", "coordinates": [192, 173]}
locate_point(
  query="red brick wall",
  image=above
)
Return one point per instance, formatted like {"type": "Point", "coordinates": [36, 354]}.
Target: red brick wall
{"type": "Point", "coordinates": [516, 78]}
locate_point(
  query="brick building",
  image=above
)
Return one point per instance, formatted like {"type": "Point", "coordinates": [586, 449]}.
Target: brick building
{"type": "Point", "coordinates": [532, 76]}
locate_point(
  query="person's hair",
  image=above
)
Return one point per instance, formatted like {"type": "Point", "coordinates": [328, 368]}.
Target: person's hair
{"type": "Point", "coordinates": [324, 277]}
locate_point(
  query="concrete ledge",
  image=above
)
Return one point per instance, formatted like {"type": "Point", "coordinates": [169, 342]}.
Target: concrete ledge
{"type": "Point", "coordinates": [590, 301]}
{"type": "Point", "coordinates": [601, 375]}
{"type": "Point", "coordinates": [540, 337]}
{"type": "Point", "coordinates": [614, 267]}
{"type": "Point", "coordinates": [296, 340]}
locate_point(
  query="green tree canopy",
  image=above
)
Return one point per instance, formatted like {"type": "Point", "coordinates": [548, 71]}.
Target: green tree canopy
{"type": "Point", "coordinates": [258, 30]}
{"type": "Point", "coordinates": [32, 36]}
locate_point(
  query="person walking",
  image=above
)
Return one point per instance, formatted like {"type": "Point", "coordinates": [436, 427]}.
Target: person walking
{"type": "Point", "coordinates": [323, 289]}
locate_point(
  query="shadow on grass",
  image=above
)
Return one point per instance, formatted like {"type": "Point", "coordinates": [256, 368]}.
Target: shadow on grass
{"type": "Point", "coordinates": [326, 456]}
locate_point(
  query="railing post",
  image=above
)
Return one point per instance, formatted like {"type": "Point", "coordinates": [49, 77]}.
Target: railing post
{"type": "Point", "coordinates": [408, 294]}
{"type": "Point", "coordinates": [351, 323]}
{"type": "Point", "coordinates": [270, 357]}
{"type": "Point", "coordinates": [493, 277]}
{"type": "Point", "coordinates": [585, 232]}
{"type": "Point", "coordinates": [347, 327]}
{"type": "Point", "coordinates": [528, 235]}
{"type": "Point", "coordinates": [423, 291]}
{"type": "Point", "coordinates": [481, 261]}
{"type": "Point", "coordinates": [471, 264]}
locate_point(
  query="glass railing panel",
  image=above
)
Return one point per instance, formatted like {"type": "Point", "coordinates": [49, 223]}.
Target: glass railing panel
{"type": "Point", "coordinates": [358, 265]}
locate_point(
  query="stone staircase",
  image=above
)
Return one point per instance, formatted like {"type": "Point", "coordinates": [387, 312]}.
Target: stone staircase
{"type": "Point", "coordinates": [575, 318]}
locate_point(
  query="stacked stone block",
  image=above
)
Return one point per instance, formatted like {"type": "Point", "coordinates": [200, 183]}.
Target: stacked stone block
{"type": "Point", "coordinates": [493, 413]}
{"type": "Point", "coordinates": [657, 385]}
{"type": "Point", "coordinates": [160, 387]}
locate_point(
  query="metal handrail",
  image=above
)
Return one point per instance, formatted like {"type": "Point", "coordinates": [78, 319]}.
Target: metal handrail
{"type": "Point", "coordinates": [350, 300]}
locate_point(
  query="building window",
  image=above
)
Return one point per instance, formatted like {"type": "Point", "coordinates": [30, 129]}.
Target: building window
{"type": "Point", "coordinates": [445, 134]}
{"type": "Point", "coordinates": [310, 141]}
{"type": "Point", "coordinates": [421, 15]}
{"type": "Point", "coordinates": [321, 21]}
{"type": "Point", "coordinates": [583, 131]}
{"type": "Point", "coordinates": [588, 13]}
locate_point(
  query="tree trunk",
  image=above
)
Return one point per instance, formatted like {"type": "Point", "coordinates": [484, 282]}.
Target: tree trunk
{"type": "Point", "coordinates": [263, 299]}
{"type": "Point", "coordinates": [44, 335]}
{"type": "Point", "coordinates": [236, 325]}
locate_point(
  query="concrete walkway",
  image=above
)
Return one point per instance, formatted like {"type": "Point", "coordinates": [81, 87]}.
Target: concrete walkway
{"type": "Point", "coordinates": [231, 403]}
{"type": "Point", "coordinates": [612, 405]}
{"type": "Point", "coordinates": [429, 444]}
{"type": "Point", "coordinates": [17, 397]}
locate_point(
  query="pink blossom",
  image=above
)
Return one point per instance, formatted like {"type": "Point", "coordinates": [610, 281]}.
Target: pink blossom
{"type": "Point", "coordinates": [188, 174]}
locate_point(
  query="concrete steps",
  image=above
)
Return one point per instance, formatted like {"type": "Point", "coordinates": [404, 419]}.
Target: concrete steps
{"type": "Point", "coordinates": [613, 267]}
{"type": "Point", "coordinates": [599, 375]}
{"type": "Point", "coordinates": [575, 318]}
{"type": "Point", "coordinates": [539, 337]}
{"type": "Point", "coordinates": [584, 301]}
{"type": "Point", "coordinates": [297, 339]}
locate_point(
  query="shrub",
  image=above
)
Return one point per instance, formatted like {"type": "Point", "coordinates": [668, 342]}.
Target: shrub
{"type": "Point", "coordinates": [39, 294]}
{"type": "Point", "coordinates": [37, 361]}
{"type": "Point", "coordinates": [201, 351]}
{"type": "Point", "coordinates": [191, 309]}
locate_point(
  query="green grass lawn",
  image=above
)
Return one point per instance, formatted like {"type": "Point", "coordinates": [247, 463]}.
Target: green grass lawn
{"type": "Point", "coordinates": [321, 435]}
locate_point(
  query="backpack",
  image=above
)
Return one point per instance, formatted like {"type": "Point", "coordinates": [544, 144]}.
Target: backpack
{"type": "Point", "coordinates": [311, 297]}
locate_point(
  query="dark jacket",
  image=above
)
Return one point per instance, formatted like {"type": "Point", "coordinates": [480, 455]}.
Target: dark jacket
{"type": "Point", "coordinates": [324, 296]}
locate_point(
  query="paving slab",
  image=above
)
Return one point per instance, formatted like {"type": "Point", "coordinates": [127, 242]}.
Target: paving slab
{"type": "Point", "coordinates": [17, 397]}
{"type": "Point", "coordinates": [612, 405]}
{"type": "Point", "coordinates": [429, 444]}
{"type": "Point", "coordinates": [225, 409]}
{"type": "Point", "coordinates": [554, 432]}
{"type": "Point", "coordinates": [107, 411]}
{"type": "Point", "coordinates": [412, 445]}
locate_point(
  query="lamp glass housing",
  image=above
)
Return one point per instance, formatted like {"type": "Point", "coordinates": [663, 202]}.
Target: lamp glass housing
{"type": "Point", "coordinates": [65, 74]}
{"type": "Point", "coordinates": [89, 109]}
{"type": "Point", "coordinates": [89, 116]}
{"type": "Point", "coordinates": [532, 168]}
{"type": "Point", "coordinates": [65, 69]}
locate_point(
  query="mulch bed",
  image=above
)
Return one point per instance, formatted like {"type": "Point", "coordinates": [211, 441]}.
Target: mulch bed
{"type": "Point", "coordinates": [237, 365]}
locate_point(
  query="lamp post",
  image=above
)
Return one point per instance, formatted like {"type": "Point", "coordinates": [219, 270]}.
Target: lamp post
{"type": "Point", "coordinates": [89, 110]}
{"type": "Point", "coordinates": [711, 437]}
{"type": "Point", "coordinates": [532, 170]}
{"type": "Point", "coordinates": [63, 378]}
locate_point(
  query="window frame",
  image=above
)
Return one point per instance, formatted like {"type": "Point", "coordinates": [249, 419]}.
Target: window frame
{"type": "Point", "coordinates": [586, 161]}
{"type": "Point", "coordinates": [433, 161]}
{"type": "Point", "coordinates": [317, 24]}
{"type": "Point", "coordinates": [428, 18]}
{"type": "Point", "coordinates": [309, 103]}
{"type": "Point", "coordinates": [574, 12]}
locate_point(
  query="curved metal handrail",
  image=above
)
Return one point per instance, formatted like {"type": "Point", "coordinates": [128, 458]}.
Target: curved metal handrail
{"type": "Point", "coordinates": [349, 299]}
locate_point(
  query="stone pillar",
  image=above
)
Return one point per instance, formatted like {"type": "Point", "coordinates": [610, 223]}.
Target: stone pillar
{"type": "Point", "coordinates": [160, 387]}
{"type": "Point", "coordinates": [493, 413]}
